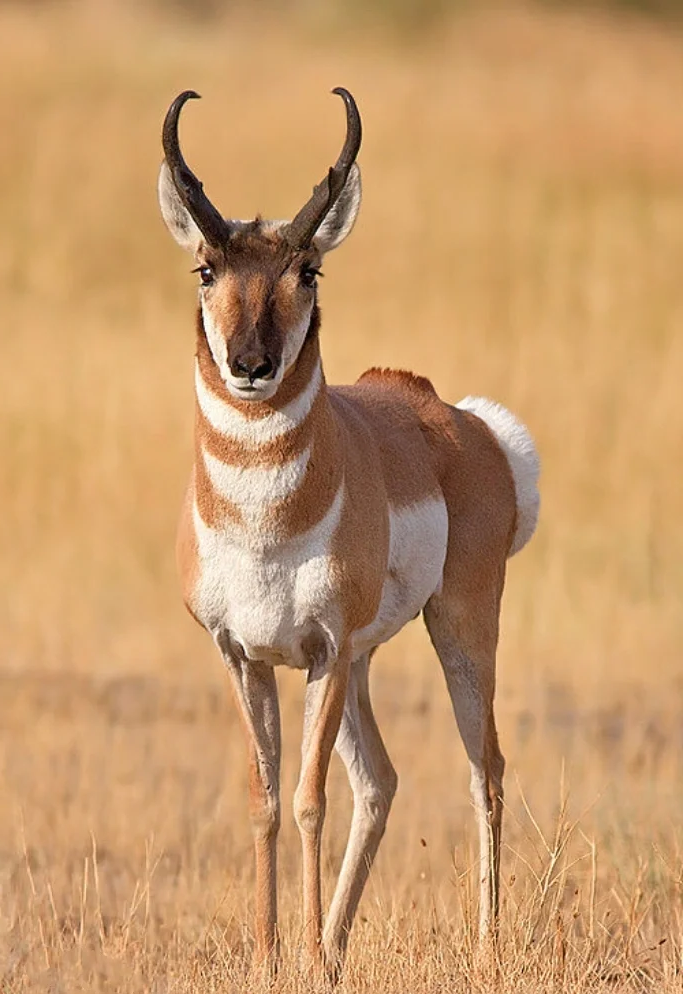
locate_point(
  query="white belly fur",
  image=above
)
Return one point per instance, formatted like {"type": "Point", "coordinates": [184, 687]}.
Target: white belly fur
{"type": "Point", "coordinates": [271, 596]}
{"type": "Point", "coordinates": [418, 540]}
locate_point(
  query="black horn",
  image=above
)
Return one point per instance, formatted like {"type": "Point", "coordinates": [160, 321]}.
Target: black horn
{"type": "Point", "coordinates": [190, 190]}
{"type": "Point", "coordinates": [299, 233]}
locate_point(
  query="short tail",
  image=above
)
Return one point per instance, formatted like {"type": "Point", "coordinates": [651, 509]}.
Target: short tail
{"type": "Point", "coordinates": [516, 442]}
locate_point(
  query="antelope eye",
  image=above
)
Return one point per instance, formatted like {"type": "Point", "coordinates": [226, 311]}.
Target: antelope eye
{"type": "Point", "coordinates": [206, 275]}
{"type": "Point", "coordinates": [309, 276]}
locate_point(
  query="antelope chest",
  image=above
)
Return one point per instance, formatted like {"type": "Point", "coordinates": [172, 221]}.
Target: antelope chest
{"type": "Point", "coordinates": [276, 600]}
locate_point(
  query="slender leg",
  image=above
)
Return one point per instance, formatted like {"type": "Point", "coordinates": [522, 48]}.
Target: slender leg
{"type": "Point", "coordinates": [325, 694]}
{"type": "Point", "coordinates": [256, 695]}
{"type": "Point", "coordinates": [373, 782]}
{"type": "Point", "coordinates": [466, 646]}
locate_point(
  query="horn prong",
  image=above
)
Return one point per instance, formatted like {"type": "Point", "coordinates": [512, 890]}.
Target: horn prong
{"type": "Point", "coordinates": [190, 190]}
{"type": "Point", "coordinates": [301, 230]}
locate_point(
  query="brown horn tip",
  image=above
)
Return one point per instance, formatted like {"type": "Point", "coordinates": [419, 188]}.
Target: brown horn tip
{"type": "Point", "coordinates": [169, 133]}
{"type": "Point", "coordinates": [353, 121]}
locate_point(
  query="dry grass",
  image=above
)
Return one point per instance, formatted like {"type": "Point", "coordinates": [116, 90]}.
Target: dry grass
{"type": "Point", "coordinates": [522, 237]}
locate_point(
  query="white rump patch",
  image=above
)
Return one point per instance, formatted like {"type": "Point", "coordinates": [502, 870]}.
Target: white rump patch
{"type": "Point", "coordinates": [516, 442]}
{"type": "Point", "coordinates": [227, 420]}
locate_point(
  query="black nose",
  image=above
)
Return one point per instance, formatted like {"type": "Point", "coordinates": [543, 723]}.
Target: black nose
{"type": "Point", "coordinates": [254, 367]}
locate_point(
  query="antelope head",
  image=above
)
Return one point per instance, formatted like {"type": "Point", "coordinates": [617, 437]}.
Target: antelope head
{"type": "Point", "coordinates": [258, 279]}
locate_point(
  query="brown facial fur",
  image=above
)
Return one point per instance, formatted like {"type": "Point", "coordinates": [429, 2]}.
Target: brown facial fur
{"type": "Point", "coordinates": [257, 296]}
{"type": "Point", "coordinates": [294, 382]}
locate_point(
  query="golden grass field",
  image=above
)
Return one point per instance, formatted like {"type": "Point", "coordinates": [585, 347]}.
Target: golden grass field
{"type": "Point", "coordinates": [521, 237]}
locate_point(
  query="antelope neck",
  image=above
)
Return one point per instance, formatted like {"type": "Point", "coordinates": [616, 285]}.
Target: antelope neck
{"type": "Point", "coordinates": [272, 467]}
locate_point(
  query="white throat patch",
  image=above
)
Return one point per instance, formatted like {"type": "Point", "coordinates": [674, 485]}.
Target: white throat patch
{"type": "Point", "coordinates": [227, 420]}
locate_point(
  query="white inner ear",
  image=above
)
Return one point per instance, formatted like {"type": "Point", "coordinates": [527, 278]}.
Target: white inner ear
{"type": "Point", "coordinates": [342, 217]}
{"type": "Point", "coordinates": [177, 217]}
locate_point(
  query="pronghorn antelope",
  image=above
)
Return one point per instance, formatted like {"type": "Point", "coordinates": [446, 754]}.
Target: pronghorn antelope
{"type": "Point", "coordinates": [320, 520]}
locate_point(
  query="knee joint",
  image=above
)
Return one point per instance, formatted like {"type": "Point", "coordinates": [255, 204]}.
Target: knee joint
{"type": "Point", "coordinates": [264, 814]}
{"type": "Point", "coordinates": [309, 813]}
{"type": "Point", "coordinates": [376, 804]}
{"type": "Point", "coordinates": [376, 811]}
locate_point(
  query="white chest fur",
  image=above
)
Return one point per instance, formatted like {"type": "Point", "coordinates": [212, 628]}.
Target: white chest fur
{"type": "Point", "coordinates": [270, 596]}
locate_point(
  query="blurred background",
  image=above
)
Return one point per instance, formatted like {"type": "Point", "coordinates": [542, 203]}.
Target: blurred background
{"type": "Point", "coordinates": [521, 237]}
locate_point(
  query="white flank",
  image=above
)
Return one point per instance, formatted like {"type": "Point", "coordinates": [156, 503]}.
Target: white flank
{"type": "Point", "coordinates": [516, 442]}
{"type": "Point", "coordinates": [418, 539]}
{"type": "Point", "coordinates": [269, 597]}
{"type": "Point", "coordinates": [256, 431]}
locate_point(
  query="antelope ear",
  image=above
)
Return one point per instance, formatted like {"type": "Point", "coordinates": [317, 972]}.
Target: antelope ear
{"type": "Point", "coordinates": [177, 217]}
{"type": "Point", "coordinates": [341, 217]}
